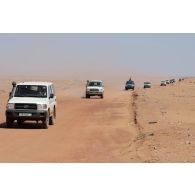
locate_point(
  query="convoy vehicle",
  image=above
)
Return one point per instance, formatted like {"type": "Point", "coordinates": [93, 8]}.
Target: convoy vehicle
{"type": "Point", "coordinates": [31, 101]}
{"type": "Point", "coordinates": [163, 83]}
{"type": "Point", "coordinates": [167, 82]}
{"type": "Point", "coordinates": [130, 85]}
{"type": "Point", "coordinates": [94, 88]}
{"type": "Point", "coordinates": [147, 85]}
{"type": "Point", "coordinates": [172, 81]}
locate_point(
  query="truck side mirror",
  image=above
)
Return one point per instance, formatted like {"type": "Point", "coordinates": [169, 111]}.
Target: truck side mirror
{"type": "Point", "coordinates": [51, 96]}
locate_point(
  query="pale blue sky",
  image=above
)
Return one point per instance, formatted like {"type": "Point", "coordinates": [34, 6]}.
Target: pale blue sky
{"type": "Point", "coordinates": [76, 54]}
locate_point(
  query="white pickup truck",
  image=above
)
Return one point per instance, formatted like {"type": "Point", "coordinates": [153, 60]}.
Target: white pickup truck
{"type": "Point", "coordinates": [34, 101]}
{"type": "Point", "coordinates": [94, 88]}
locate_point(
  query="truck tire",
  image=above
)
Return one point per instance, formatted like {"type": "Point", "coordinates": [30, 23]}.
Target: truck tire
{"type": "Point", "coordinates": [9, 122]}
{"type": "Point", "coordinates": [87, 96]}
{"type": "Point", "coordinates": [52, 118]}
{"type": "Point", "coordinates": [102, 96]}
{"type": "Point", "coordinates": [46, 122]}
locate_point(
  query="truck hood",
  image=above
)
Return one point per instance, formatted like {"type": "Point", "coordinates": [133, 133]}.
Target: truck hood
{"type": "Point", "coordinates": [29, 100]}
{"type": "Point", "coordinates": [95, 87]}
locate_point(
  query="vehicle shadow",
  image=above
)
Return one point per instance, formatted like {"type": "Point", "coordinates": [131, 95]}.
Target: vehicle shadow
{"type": "Point", "coordinates": [128, 90]}
{"type": "Point", "coordinates": [26, 126]}
{"type": "Point", "coordinates": [2, 125]}
{"type": "Point", "coordinates": [94, 97]}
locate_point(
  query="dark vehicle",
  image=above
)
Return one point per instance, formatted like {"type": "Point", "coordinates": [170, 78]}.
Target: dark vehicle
{"type": "Point", "coordinates": [147, 85]}
{"type": "Point", "coordinates": [172, 81]}
{"type": "Point", "coordinates": [130, 85]}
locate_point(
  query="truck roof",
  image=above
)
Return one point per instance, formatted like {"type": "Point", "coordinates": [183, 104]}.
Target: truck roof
{"type": "Point", "coordinates": [35, 83]}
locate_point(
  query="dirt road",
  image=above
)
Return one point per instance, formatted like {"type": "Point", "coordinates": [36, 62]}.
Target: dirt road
{"type": "Point", "coordinates": [152, 125]}
{"type": "Point", "coordinates": [86, 130]}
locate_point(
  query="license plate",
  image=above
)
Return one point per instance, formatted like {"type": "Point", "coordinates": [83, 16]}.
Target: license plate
{"type": "Point", "coordinates": [25, 114]}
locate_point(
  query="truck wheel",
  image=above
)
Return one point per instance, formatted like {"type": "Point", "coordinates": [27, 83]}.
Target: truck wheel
{"type": "Point", "coordinates": [102, 96]}
{"type": "Point", "coordinates": [52, 118]}
{"type": "Point", "coordinates": [46, 122]}
{"type": "Point", "coordinates": [126, 89]}
{"type": "Point", "coordinates": [87, 96]}
{"type": "Point", "coordinates": [9, 122]}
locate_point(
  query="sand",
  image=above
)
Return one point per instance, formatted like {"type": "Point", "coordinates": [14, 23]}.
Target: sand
{"type": "Point", "coordinates": [152, 125]}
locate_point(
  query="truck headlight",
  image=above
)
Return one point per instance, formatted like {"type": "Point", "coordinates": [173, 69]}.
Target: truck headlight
{"type": "Point", "coordinates": [41, 106]}
{"type": "Point", "coordinates": [10, 106]}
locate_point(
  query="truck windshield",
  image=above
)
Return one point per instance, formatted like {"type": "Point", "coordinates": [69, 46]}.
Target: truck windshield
{"type": "Point", "coordinates": [31, 91]}
{"type": "Point", "coordinates": [130, 82]}
{"type": "Point", "coordinates": [95, 84]}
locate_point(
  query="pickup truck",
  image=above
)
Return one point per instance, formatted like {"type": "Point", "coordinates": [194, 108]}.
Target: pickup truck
{"type": "Point", "coordinates": [94, 88]}
{"type": "Point", "coordinates": [31, 101]}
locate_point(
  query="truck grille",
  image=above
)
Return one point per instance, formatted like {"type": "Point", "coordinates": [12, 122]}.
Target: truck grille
{"type": "Point", "coordinates": [94, 89]}
{"type": "Point", "coordinates": [26, 106]}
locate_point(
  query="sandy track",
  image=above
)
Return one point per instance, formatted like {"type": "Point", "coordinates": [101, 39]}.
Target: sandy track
{"type": "Point", "coordinates": [86, 130]}
{"type": "Point", "coordinates": [153, 125]}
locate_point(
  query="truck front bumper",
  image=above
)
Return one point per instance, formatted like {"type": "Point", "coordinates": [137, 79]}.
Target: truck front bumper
{"type": "Point", "coordinates": [130, 87]}
{"type": "Point", "coordinates": [26, 114]}
{"type": "Point", "coordinates": [94, 93]}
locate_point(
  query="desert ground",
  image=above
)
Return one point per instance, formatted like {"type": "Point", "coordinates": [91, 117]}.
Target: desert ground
{"type": "Point", "coordinates": [151, 125]}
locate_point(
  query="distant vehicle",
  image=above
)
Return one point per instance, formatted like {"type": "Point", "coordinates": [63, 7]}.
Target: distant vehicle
{"type": "Point", "coordinates": [172, 81]}
{"type": "Point", "coordinates": [163, 83]}
{"type": "Point", "coordinates": [147, 85]}
{"type": "Point", "coordinates": [181, 79]}
{"type": "Point", "coordinates": [130, 85]}
{"type": "Point", "coordinates": [167, 82]}
{"type": "Point", "coordinates": [34, 101]}
{"type": "Point", "coordinates": [94, 88]}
